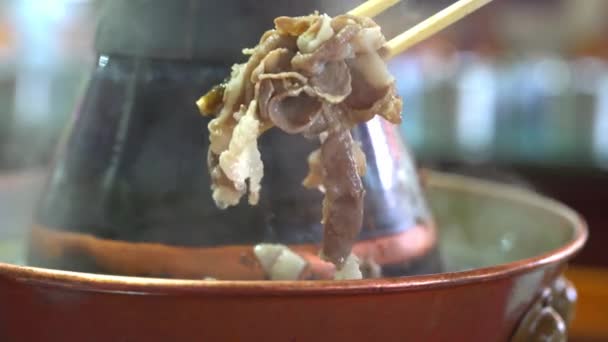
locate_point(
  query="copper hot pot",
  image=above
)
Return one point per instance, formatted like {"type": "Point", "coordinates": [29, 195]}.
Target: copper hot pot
{"type": "Point", "coordinates": [504, 250]}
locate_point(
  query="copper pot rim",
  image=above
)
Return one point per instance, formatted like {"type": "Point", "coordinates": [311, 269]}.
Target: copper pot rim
{"type": "Point", "coordinates": [158, 286]}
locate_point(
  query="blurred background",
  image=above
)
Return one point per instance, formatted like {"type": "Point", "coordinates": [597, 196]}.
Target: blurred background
{"type": "Point", "coordinates": [518, 92]}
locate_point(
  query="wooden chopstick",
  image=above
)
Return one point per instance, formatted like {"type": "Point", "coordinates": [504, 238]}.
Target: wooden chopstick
{"type": "Point", "coordinates": [432, 25]}
{"type": "Point", "coordinates": [372, 8]}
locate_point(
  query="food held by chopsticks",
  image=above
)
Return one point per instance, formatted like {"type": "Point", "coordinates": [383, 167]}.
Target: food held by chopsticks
{"type": "Point", "coordinates": [316, 76]}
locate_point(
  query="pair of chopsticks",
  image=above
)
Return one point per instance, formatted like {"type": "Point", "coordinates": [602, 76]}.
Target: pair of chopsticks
{"type": "Point", "coordinates": [423, 30]}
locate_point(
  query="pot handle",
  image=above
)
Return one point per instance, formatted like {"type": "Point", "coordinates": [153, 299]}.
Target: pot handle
{"type": "Point", "coordinates": [549, 317]}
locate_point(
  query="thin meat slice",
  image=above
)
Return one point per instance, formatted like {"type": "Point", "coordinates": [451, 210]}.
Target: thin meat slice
{"type": "Point", "coordinates": [333, 84]}
{"type": "Point", "coordinates": [294, 111]}
{"type": "Point", "coordinates": [334, 49]}
{"type": "Point", "coordinates": [343, 202]}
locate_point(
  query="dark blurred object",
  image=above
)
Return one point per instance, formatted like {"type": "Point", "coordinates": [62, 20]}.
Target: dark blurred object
{"type": "Point", "coordinates": [206, 31]}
